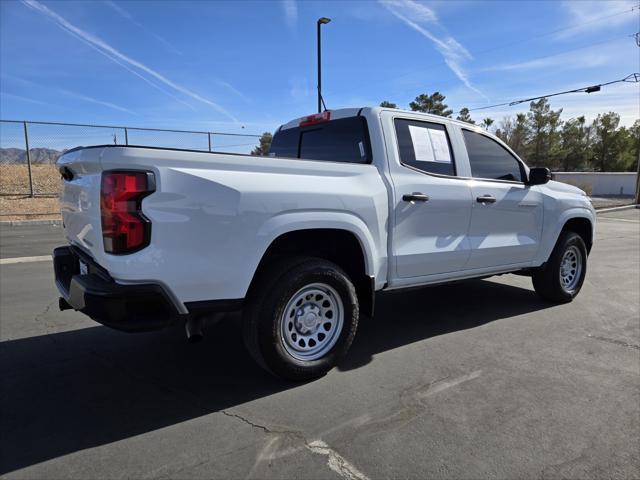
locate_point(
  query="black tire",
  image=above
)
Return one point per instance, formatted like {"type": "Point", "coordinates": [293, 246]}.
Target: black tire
{"type": "Point", "coordinates": [546, 280]}
{"type": "Point", "coordinates": [278, 282]}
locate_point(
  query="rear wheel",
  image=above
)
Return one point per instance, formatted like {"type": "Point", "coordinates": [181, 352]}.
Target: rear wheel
{"type": "Point", "coordinates": [301, 317]}
{"type": "Point", "coordinates": [561, 279]}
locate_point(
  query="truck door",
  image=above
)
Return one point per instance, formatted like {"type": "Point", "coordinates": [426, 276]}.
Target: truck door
{"type": "Point", "coordinates": [506, 219]}
{"type": "Point", "coordinates": [431, 205]}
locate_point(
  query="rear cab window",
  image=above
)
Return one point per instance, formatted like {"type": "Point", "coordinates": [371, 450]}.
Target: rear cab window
{"type": "Point", "coordinates": [341, 140]}
{"type": "Point", "coordinates": [425, 146]}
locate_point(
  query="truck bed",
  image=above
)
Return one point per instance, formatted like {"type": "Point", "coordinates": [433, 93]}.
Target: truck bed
{"type": "Point", "coordinates": [213, 215]}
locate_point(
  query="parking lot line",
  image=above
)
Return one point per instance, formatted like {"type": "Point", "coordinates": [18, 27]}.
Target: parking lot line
{"type": "Point", "coordinates": [41, 258]}
{"type": "Point", "coordinates": [618, 219]}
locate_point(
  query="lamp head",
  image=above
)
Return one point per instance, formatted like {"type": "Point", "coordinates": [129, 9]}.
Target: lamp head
{"type": "Point", "coordinates": [323, 20]}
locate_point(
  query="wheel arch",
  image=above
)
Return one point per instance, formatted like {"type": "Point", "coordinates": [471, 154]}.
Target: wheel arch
{"type": "Point", "coordinates": [340, 245]}
{"type": "Point", "coordinates": [581, 226]}
{"type": "Point", "coordinates": [580, 220]}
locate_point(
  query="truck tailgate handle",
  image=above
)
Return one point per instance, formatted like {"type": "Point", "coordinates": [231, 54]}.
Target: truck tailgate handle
{"type": "Point", "coordinates": [486, 199]}
{"type": "Point", "coordinates": [415, 197]}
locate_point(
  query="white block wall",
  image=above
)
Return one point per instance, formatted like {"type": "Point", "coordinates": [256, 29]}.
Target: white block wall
{"type": "Point", "coordinates": [602, 183]}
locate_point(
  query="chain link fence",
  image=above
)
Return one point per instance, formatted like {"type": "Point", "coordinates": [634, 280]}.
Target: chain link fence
{"type": "Point", "coordinates": [29, 150]}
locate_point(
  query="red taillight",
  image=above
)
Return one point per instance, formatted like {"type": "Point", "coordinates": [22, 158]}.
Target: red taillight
{"type": "Point", "coordinates": [124, 228]}
{"type": "Point", "coordinates": [315, 119]}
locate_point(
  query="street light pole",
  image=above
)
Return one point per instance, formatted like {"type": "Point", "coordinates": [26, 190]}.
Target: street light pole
{"type": "Point", "coordinates": [321, 21]}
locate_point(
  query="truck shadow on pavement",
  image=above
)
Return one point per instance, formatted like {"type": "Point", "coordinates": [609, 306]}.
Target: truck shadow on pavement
{"type": "Point", "coordinates": [66, 392]}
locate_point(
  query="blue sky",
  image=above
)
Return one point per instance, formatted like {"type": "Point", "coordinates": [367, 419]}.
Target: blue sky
{"type": "Point", "coordinates": [248, 66]}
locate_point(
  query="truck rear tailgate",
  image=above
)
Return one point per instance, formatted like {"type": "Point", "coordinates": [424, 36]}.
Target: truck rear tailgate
{"type": "Point", "coordinates": [80, 198]}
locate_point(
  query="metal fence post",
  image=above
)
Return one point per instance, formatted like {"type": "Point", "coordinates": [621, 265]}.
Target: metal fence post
{"type": "Point", "coordinates": [209, 135]}
{"type": "Point", "coordinates": [637, 199]}
{"type": "Point", "coordinates": [26, 143]}
{"type": "Point", "coordinates": [126, 136]}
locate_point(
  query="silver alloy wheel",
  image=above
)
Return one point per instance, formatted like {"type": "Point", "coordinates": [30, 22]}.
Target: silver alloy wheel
{"type": "Point", "coordinates": [570, 269]}
{"type": "Point", "coordinates": [312, 321]}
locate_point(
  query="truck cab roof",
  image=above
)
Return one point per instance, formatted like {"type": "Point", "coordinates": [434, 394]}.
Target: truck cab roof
{"type": "Point", "coordinates": [372, 111]}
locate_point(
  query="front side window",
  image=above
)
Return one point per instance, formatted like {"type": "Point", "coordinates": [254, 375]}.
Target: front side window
{"type": "Point", "coordinates": [489, 159]}
{"type": "Point", "coordinates": [425, 146]}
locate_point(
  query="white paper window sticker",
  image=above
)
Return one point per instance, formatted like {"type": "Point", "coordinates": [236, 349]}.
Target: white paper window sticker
{"type": "Point", "coordinates": [421, 144]}
{"type": "Point", "coordinates": [441, 151]}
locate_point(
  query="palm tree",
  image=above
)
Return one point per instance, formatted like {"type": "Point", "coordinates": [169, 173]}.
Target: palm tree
{"type": "Point", "coordinates": [486, 123]}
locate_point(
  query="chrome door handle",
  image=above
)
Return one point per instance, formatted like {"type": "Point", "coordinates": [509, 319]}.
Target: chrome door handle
{"type": "Point", "coordinates": [415, 197]}
{"type": "Point", "coordinates": [486, 199]}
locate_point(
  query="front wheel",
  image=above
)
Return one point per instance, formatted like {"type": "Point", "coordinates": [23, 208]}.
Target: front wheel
{"type": "Point", "coordinates": [301, 317]}
{"type": "Point", "coordinates": [561, 278]}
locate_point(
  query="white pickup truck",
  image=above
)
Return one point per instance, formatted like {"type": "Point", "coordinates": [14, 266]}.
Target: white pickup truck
{"type": "Point", "coordinates": [349, 202]}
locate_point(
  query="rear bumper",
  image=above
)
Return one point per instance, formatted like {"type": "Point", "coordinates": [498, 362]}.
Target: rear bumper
{"type": "Point", "coordinates": [131, 308]}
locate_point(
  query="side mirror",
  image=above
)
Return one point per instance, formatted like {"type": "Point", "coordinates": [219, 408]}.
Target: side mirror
{"type": "Point", "coordinates": [539, 176]}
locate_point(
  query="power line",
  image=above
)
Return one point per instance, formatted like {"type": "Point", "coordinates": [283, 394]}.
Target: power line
{"type": "Point", "coordinates": [633, 78]}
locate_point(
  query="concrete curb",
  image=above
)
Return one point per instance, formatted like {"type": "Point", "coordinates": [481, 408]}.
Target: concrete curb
{"type": "Point", "coordinates": [17, 223]}
{"type": "Point", "coordinates": [615, 209]}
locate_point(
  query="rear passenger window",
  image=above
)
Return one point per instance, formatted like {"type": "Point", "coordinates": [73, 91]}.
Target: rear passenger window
{"type": "Point", "coordinates": [425, 146]}
{"type": "Point", "coordinates": [491, 160]}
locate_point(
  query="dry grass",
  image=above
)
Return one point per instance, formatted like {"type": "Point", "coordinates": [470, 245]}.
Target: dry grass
{"type": "Point", "coordinates": [25, 208]}
{"type": "Point", "coordinates": [15, 203]}
{"type": "Point", "coordinates": [14, 179]}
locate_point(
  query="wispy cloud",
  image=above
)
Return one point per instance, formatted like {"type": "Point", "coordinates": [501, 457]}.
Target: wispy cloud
{"type": "Point", "coordinates": [25, 99]}
{"type": "Point", "coordinates": [126, 15]}
{"type": "Point", "coordinates": [62, 91]}
{"type": "Point", "coordinates": [300, 89]}
{"type": "Point", "coordinates": [120, 58]}
{"type": "Point", "coordinates": [233, 90]}
{"type": "Point", "coordinates": [290, 12]}
{"type": "Point", "coordinates": [416, 15]}
{"type": "Point", "coordinates": [96, 101]}
{"type": "Point", "coordinates": [591, 16]}
{"type": "Point", "coordinates": [589, 58]}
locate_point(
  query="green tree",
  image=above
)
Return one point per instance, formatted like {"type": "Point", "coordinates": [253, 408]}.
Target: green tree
{"type": "Point", "coordinates": [544, 145]}
{"type": "Point", "coordinates": [515, 133]}
{"type": "Point", "coordinates": [614, 149]}
{"type": "Point", "coordinates": [486, 123]}
{"type": "Point", "coordinates": [433, 104]}
{"type": "Point", "coordinates": [388, 104]}
{"type": "Point", "coordinates": [606, 142]}
{"type": "Point", "coordinates": [265, 143]}
{"type": "Point", "coordinates": [463, 115]}
{"type": "Point", "coordinates": [574, 144]}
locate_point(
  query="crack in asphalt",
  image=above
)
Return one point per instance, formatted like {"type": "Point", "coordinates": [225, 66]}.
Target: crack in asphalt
{"type": "Point", "coordinates": [265, 428]}
{"type": "Point", "coordinates": [335, 461]}
{"type": "Point", "coordinates": [614, 341]}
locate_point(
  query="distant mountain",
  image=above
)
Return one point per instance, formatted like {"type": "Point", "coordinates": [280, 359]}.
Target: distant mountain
{"type": "Point", "coordinates": [38, 155]}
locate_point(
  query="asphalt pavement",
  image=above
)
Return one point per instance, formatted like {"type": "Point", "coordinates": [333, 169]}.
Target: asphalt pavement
{"type": "Point", "coordinates": [480, 379]}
